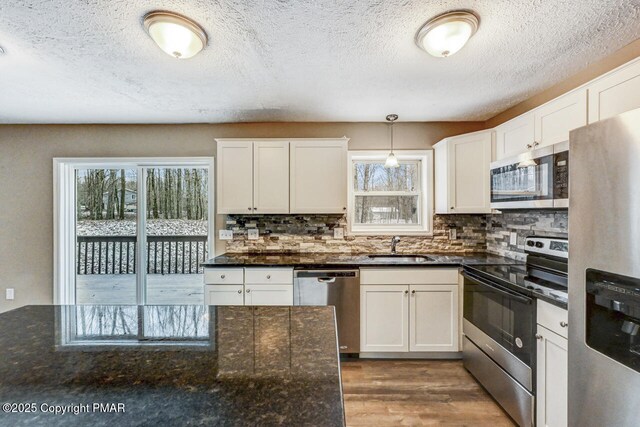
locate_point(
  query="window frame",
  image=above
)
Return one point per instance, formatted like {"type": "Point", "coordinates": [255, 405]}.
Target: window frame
{"type": "Point", "coordinates": [425, 194]}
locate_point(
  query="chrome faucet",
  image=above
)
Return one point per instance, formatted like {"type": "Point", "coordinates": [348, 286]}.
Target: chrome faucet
{"type": "Point", "coordinates": [394, 242]}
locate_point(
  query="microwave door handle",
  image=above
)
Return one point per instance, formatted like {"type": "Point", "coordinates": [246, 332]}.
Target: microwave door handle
{"type": "Point", "coordinates": [498, 289]}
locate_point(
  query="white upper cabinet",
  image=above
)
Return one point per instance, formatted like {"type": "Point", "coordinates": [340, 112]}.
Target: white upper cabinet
{"type": "Point", "coordinates": [235, 177]}
{"type": "Point", "coordinates": [271, 177]}
{"type": "Point", "coordinates": [554, 120]}
{"type": "Point", "coordinates": [462, 173]}
{"type": "Point", "coordinates": [319, 176]}
{"type": "Point", "coordinates": [514, 136]}
{"type": "Point", "coordinates": [615, 93]}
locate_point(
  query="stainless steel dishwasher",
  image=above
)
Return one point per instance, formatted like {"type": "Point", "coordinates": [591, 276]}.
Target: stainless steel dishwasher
{"type": "Point", "coordinates": [339, 288]}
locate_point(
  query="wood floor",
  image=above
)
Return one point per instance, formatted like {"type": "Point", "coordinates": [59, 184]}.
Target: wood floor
{"type": "Point", "coordinates": [416, 393]}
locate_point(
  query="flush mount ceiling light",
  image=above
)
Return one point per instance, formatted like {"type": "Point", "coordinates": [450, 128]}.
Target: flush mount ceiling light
{"type": "Point", "coordinates": [392, 160]}
{"type": "Point", "coordinates": [176, 35]}
{"type": "Point", "coordinates": [446, 34]}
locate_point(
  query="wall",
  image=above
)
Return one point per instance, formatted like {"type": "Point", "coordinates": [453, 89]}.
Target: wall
{"type": "Point", "coordinates": [26, 153]}
{"type": "Point", "coordinates": [314, 233]}
{"type": "Point", "coordinates": [525, 223]}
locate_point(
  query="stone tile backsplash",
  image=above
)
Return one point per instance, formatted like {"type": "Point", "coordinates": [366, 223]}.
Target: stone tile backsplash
{"type": "Point", "coordinates": [475, 233]}
{"type": "Point", "coordinates": [524, 223]}
{"type": "Point", "coordinates": [314, 233]}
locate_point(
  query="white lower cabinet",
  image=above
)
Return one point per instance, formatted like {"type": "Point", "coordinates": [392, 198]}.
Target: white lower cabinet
{"type": "Point", "coordinates": [552, 366]}
{"type": "Point", "coordinates": [224, 295]}
{"type": "Point", "coordinates": [384, 318]}
{"type": "Point", "coordinates": [251, 286]}
{"type": "Point", "coordinates": [421, 317]}
{"type": "Point", "coordinates": [268, 295]}
{"type": "Point", "coordinates": [433, 318]}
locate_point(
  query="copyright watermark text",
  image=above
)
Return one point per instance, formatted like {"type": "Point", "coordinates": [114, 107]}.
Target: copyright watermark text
{"type": "Point", "coordinates": [72, 408]}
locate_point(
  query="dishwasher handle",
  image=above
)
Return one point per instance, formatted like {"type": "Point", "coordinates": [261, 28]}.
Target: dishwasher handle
{"type": "Point", "coordinates": [326, 275]}
{"type": "Point", "coordinates": [326, 279]}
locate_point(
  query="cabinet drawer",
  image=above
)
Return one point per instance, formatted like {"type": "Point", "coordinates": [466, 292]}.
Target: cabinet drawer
{"type": "Point", "coordinates": [553, 318]}
{"type": "Point", "coordinates": [281, 276]}
{"type": "Point", "coordinates": [223, 276]}
{"type": "Point", "coordinates": [408, 276]}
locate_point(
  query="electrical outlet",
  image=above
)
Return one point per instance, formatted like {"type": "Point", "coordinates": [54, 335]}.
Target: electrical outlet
{"type": "Point", "coordinates": [513, 238]}
{"type": "Point", "coordinates": [10, 294]}
{"type": "Point", "coordinates": [252, 234]}
{"type": "Point", "coordinates": [338, 233]}
{"type": "Point", "coordinates": [453, 234]}
{"type": "Point", "coordinates": [226, 234]}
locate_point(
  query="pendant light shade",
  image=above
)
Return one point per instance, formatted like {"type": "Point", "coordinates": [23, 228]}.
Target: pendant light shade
{"type": "Point", "coordinates": [176, 35]}
{"type": "Point", "coordinates": [392, 160]}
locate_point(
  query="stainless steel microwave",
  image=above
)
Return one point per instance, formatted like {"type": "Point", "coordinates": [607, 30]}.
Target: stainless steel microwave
{"type": "Point", "coordinates": [537, 179]}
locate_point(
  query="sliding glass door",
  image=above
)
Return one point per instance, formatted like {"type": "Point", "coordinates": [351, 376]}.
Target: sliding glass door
{"type": "Point", "coordinates": [132, 232]}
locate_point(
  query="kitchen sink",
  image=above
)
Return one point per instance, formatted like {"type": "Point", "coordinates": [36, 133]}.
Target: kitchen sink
{"type": "Point", "coordinates": [401, 258]}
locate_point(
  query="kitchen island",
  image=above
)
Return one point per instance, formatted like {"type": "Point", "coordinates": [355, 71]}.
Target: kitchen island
{"type": "Point", "coordinates": [169, 365]}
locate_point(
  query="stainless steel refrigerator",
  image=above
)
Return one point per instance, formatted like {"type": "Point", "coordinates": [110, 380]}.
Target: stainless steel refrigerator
{"type": "Point", "coordinates": [604, 273]}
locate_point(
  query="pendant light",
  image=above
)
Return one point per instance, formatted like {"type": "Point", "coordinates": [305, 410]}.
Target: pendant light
{"type": "Point", "coordinates": [446, 34]}
{"type": "Point", "coordinates": [392, 161]}
{"type": "Point", "coordinates": [176, 35]}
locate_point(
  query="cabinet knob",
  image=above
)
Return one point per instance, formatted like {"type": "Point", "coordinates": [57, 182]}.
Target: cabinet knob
{"type": "Point", "coordinates": [413, 292]}
{"type": "Point", "coordinates": [452, 208]}
{"type": "Point", "coordinates": [564, 324]}
{"type": "Point", "coordinates": [538, 336]}
{"type": "Point", "coordinates": [248, 290]}
{"type": "Point", "coordinates": [268, 276]}
{"type": "Point", "coordinates": [344, 208]}
{"type": "Point", "coordinates": [255, 209]}
{"type": "Point", "coordinates": [222, 276]}
{"type": "Point", "coordinates": [406, 292]}
{"type": "Point", "coordinates": [240, 291]}
{"type": "Point", "coordinates": [249, 208]}
{"type": "Point", "coordinates": [529, 146]}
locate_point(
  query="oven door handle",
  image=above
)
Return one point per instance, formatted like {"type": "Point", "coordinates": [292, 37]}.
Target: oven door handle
{"type": "Point", "coordinates": [498, 288]}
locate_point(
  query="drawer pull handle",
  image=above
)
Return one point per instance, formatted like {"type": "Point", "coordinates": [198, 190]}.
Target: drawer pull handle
{"type": "Point", "coordinates": [564, 324]}
{"type": "Point", "coordinates": [222, 276]}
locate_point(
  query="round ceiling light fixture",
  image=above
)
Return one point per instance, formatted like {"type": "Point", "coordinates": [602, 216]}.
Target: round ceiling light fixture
{"type": "Point", "coordinates": [176, 35]}
{"type": "Point", "coordinates": [446, 34]}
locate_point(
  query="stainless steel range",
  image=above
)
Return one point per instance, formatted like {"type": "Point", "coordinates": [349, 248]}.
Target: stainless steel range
{"type": "Point", "coordinates": [500, 321]}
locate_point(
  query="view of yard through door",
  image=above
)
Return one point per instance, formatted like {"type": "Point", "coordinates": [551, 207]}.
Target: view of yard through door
{"type": "Point", "coordinates": [172, 213]}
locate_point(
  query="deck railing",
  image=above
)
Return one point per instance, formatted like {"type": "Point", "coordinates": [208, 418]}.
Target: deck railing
{"type": "Point", "coordinates": [117, 254]}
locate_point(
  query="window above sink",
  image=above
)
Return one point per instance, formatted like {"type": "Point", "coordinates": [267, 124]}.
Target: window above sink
{"type": "Point", "coordinates": [386, 201]}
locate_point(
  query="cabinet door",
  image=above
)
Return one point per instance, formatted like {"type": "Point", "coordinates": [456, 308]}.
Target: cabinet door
{"type": "Point", "coordinates": [384, 318]}
{"type": "Point", "coordinates": [271, 177]}
{"type": "Point", "coordinates": [319, 176]}
{"type": "Point", "coordinates": [223, 295]}
{"type": "Point", "coordinates": [433, 314]}
{"type": "Point", "coordinates": [268, 294]}
{"type": "Point", "coordinates": [554, 120]}
{"type": "Point", "coordinates": [552, 372]}
{"type": "Point", "coordinates": [615, 93]}
{"type": "Point", "coordinates": [235, 177]}
{"type": "Point", "coordinates": [512, 137]}
{"type": "Point", "coordinates": [469, 160]}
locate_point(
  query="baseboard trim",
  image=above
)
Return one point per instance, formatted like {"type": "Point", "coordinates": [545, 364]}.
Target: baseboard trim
{"type": "Point", "coordinates": [413, 355]}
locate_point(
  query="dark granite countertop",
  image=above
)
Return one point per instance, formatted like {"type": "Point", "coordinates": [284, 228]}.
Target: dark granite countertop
{"type": "Point", "coordinates": [341, 260]}
{"type": "Point", "coordinates": [170, 365]}
{"type": "Point", "coordinates": [517, 278]}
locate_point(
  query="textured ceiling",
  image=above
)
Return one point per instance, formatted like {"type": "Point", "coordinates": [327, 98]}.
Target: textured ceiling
{"type": "Point", "coordinates": [90, 61]}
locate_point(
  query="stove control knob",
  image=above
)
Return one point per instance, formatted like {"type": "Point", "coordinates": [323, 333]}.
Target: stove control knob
{"type": "Point", "coordinates": [530, 243]}
{"type": "Point", "coordinates": [539, 245]}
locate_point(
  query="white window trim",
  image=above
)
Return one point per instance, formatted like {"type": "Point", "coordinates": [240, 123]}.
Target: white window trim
{"type": "Point", "coordinates": [426, 182]}
{"type": "Point", "coordinates": [64, 225]}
